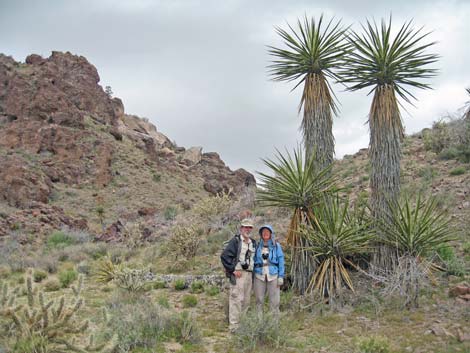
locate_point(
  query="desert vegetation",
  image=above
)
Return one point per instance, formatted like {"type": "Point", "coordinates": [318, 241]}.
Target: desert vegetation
{"type": "Point", "coordinates": [377, 244]}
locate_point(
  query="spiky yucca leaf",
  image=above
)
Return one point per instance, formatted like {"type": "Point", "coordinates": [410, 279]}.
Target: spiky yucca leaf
{"type": "Point", "coordinates": [312, 48]}
{"type": "Point", "coordinates": [106, 270]}
{"type": "Point", "coordinates": [296, 184]}
{"type": "Point", "coordinates": [379, 59]}
{"type": "Point", "coordinates": [335, 235]}
{"type": "Point", "coordinates": [417, 229]}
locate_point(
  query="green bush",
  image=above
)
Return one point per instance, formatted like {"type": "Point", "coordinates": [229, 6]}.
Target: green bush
{"type": "Point", "coordinates": [156, 177]}
{"type": "Point", "coordinates": [445, 252]}
{"type": "Point", "coordinates": [170, 213]}
{"type": "Point", "coordinates": [5, 271]}
{"type": "Point", "coordinates": [180, 284]}
{"type": "Point", "coordinates": [66, 277]}
{"type": "Point", "coordinates": [197, 287]}
{"type": "Point", "coordinates": [213, 291]}
{"type": "Point", "coordinates": [257, 331]}
{"type": "Point", "coordinates": [458, 171]}
{"type": "Point", "coordinates": [466, 248]}
{"type": "Point", "coordinates": [189, 301]}
{"type": "Point", "coordinates": [159, 285]}
{"type": "Point", "coordinates": [449, 153]}
{"type": "Point", "coordinates": [143, 326]}
{"type": "Point", "coordinates": [163, 301]}
{"type": "Point", "coordinates": [39, 276]}
{"type": "Point", "coordinates": [456, 267]}
{"type": "Point", "coordinates": [52, 285]}
{"type": "Point", "coordinates": [59, 239]}
{"type": "Point", "coordinates": [373, 345]}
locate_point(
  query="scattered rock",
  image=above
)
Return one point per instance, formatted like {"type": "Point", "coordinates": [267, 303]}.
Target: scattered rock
{"type": "Point", "coordinates": [459, 290]}
{"type": "Point", "coordinates": [192, 156]}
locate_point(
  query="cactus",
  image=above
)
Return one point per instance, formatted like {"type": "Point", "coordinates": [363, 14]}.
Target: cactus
{"type": "Point", "coordinates": [52, 324]}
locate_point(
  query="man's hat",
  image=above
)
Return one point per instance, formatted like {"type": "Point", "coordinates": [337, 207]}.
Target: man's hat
{"type": "Point", "coordinates": [246, 222]}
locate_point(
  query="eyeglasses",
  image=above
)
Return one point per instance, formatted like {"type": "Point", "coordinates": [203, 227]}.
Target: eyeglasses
{"type": "Point", "coordinates": [247, 227]}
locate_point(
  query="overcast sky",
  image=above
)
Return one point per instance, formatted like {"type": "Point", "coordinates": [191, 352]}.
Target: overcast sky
{"type": "Point", "coordinates": [197, 69]}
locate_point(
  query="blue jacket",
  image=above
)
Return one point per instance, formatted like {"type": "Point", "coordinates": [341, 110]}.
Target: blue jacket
{"type": "Point", "coordinates": [276, 256]}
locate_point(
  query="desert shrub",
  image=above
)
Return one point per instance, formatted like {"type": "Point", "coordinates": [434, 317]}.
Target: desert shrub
{"type": "Point", "coordinates": [437, 138]}
{"type": "Point", "coordinates": [95, 250]}
{"type": "Point", "coordinates": [59, 239]}
{"type": "Point", "coordinates": [466, 248]}
{"type": "Point", "coordinates": [258, 331]}
{"type": "Point", "coordinates": [156, 177]}
{"type": "Point", "coordinates": [180, 284]}
{"type": "Point", "coordinates": [189, 301]}
{"type": "Point", "coordinates": [52, 285]}
{"type": "Point", "coordinates": [67, 276]}
{"type": "Point", "coordinates": [133, 280]}
{"type": "Point", "coordinates": [211, 207]}
{"type": "Point", "coordinates": [133, 234]}
{"type": "Point", "coordinates": [163, 301]}
{"type": "Point", "coordinates": [445, 252]}
{"type": "Point", "coordinates": [185, 241]}
{"type": "Point", "coordinates": [213, 291]}
{"type": "Point", "coordinates": [5, 271]}
{"type": "Point", "coordinates": [144, 325]}
{"type": "Point", "coordinates": [170, 213]}
{"type": "Point", "coordinates": [449, 153]}
{"type": "Point", "coordinates": [458, 171]}
{"type": "Point", "coordinates": [159, 285]}
{"type": "Point", "coordinates": [373, 345]}
{"type": "Point", "coordinates": [197, 287]}
{"type": "Point", "coordinates": [456, 267]}
{"type": "Point", "coordinates": [39, 276]}
{"type": "Point", "coordinates": [44, 325]}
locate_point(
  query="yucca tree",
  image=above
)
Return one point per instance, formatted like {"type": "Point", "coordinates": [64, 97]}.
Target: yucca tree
{"type": "Point", "coordinates": [388, 65]}
{"type": "Point", "coordinates": [296, 184]}
{"type": "Point", "coordinates": [314, 50]}
{"type": "Point", "coordinates": [335, 235]}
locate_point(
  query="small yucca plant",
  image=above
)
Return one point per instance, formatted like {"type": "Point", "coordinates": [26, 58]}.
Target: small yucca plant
{"type": "Point", "coordinates": [336, 235]}
{"type": "Point", "coordinates": [297, 184]}
{"type": "Point", "coordinates": [415, 230]}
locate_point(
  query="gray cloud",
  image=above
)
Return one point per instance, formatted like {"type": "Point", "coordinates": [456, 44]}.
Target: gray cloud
{"type": "Point", "coordinates": [197, 69]}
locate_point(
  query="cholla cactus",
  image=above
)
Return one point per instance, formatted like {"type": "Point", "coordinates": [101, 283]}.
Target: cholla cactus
{"type": "Point", "coordinates": [55, 325]}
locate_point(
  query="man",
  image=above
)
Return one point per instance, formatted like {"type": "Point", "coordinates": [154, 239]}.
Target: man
{"type": "Point", "coordinates": [238, 259]}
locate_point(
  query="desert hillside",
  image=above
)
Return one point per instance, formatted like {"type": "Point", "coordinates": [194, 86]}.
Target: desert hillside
{"type": "Point", "coordinates": [101, 209]}
{"type": "Point", "coordinates": [70, 156]}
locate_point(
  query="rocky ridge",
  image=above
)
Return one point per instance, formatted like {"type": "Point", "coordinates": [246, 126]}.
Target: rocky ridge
{"type": "Point", "coordinates": [61, 132]}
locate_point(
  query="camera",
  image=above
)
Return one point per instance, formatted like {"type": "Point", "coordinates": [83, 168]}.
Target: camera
{"type": "Point", "coordinates": [265, 256]}
{"type": "Point", "coordinates": [245, 265]}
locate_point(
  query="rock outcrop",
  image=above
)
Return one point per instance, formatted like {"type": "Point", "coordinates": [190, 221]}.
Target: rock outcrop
{"type": "Point", "coordinates": [59, 127]}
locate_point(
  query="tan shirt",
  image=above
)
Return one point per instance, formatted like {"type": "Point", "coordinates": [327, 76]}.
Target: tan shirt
{"type": "Point", "coordinates": [246, 246]}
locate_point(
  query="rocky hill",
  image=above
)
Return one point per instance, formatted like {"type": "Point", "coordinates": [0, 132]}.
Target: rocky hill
{"type": "Point", "coordinates": [69, 154]}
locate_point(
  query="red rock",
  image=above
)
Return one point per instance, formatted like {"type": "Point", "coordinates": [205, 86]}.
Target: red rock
{"type": "Point", "coordinates": [459, 290]}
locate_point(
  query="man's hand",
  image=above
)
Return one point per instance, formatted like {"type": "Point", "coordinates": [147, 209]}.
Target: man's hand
{"type": "Point", "coordinates": [237, 274]}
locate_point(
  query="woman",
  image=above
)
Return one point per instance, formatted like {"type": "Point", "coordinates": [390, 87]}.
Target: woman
{"type": "Point", "coordinates": [268, 269]}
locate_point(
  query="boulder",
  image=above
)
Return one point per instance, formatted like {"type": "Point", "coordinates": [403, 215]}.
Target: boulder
{"type": "Point", "coordinates": [192, 156]}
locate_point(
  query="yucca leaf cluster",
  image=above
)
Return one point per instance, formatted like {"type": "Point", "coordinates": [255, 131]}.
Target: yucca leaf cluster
{"type": "Point", "coordinates": [336, 236]}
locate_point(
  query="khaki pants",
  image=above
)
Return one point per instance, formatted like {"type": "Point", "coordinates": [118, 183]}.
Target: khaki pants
{"type": "Point", "coordinates": [239, 299]}
{"type": "Point", "coordinates": [274, 294]}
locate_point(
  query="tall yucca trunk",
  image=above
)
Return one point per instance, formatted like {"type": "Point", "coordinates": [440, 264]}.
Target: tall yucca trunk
{"type": "Point", "coordinates": [317, 123]}
{"type": "Point", "coordinates": [303, 265]}
{"type": "Point", "coordinates": [386, 134]}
